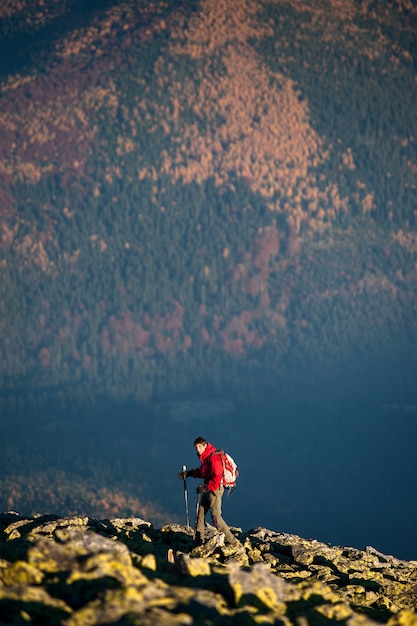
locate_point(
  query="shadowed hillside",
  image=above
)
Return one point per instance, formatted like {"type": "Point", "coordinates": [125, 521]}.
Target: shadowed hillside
{"type": "Point", "coordinates": [211, 181]}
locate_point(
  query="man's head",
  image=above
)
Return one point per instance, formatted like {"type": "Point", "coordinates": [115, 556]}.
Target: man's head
{"type": "Point", "coordinates": [200, 444]}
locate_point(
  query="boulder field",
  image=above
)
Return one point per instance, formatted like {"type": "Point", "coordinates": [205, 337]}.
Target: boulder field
{"type": "Point", "coordinates": [80, 571]}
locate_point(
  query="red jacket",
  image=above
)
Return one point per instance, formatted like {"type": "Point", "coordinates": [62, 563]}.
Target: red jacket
{"type": "Point", "coordinates": [211, 468]}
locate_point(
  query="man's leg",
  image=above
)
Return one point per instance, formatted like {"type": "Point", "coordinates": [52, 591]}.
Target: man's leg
{"type": "Point", "coordinates": [202, 510]}
{"type": "Point", "coordinates": [215, 499]}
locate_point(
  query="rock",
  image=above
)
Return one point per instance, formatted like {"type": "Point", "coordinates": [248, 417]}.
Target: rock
{"type": "Point", "coordinates": [258, 586]}
{"type": "Point", "coordinates": [20, 573]}
{"type": "Point", "coordinates": [79, 571]}
{"type": "Point", "coordinates": [192, 566]}
{"type": "Point", "coordinates": [149, 562]}
{"type": "Point", "coordinates": [33, 601]}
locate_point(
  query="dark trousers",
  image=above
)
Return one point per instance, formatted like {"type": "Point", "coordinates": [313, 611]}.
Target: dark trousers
{"type": "Point", "coordinates": [212, 501]}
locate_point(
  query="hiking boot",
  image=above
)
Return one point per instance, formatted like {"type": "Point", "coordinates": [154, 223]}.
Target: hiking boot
{"type": "Point", "coordinates": [233, 543]}
{"type": "Point", "coordinates": [198, 541]}
{"type": "Point", "coordinates": [198, 549]}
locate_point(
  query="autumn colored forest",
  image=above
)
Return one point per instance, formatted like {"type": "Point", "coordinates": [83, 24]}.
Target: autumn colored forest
{"type": "Point", "coordinates": [216, 194]}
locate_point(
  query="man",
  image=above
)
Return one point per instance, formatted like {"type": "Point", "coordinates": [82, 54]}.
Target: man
{"type": "Point", "coordinates": [211, 470]}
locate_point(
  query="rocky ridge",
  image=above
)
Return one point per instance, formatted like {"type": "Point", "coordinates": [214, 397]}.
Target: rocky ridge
{"type": "Point", "coordinates": [82, 571]}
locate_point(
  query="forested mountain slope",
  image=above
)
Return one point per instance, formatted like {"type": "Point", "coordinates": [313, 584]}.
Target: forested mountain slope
{"type": "Point", "coordinates": [194, 188]}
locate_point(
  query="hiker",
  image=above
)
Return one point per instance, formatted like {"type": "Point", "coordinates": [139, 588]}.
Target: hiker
{"type": "Point", "coordinates": [211, 470]}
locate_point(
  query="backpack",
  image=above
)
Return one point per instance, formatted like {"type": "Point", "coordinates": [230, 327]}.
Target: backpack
{"type": "Point", "coordinates": [230, 470]}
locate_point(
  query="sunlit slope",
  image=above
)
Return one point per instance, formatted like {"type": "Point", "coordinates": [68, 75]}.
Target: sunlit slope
{"type": "Point", "coordinates": [182, 183]}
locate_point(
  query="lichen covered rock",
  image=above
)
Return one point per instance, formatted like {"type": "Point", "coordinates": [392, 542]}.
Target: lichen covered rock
{"type": "Point", "coordinates": [79, 571]}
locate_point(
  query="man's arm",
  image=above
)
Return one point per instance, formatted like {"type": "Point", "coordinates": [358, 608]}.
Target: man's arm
{"type": "Point", "coordinates": [194, 473]}
{"type": "Point", "coordinates": [216, 473]}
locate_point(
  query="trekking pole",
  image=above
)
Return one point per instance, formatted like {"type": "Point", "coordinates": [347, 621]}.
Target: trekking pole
{"type": "Point", "coordinates": [187, 518]}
